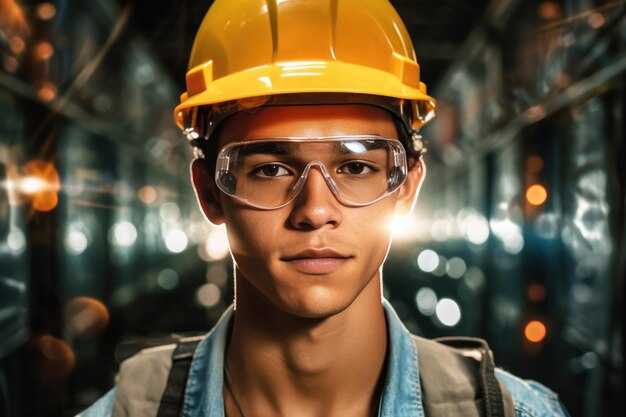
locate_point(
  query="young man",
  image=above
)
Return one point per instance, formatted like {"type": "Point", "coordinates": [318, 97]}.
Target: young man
{"type": "Point", "coordinates": [304, 117]}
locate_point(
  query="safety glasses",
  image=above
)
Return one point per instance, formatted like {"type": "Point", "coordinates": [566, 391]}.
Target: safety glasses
{"type": "Point", "coordinates": [270, 173]}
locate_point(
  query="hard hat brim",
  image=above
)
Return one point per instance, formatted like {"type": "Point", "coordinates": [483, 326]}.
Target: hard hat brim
{"type": "Point", "coordinates": [301, 77]}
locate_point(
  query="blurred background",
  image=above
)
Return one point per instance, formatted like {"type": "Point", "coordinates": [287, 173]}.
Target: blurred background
{"type": "Point", "coordinates": [518, 237]}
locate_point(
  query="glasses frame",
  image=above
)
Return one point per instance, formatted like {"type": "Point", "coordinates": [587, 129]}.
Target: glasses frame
{"type": "Point", "coordinates": [399, 155]}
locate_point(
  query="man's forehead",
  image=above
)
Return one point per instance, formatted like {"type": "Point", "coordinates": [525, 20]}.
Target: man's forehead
{"type": "Point", "coordinates": [308, 121]}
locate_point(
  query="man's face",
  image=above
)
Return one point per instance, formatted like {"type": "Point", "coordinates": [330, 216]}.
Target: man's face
{"type": "Point", "coordinates": [313, 257]}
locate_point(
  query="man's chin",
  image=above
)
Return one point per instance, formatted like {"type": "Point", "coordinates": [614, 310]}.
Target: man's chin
{"type": "Point", "coordinates": [316, 307]}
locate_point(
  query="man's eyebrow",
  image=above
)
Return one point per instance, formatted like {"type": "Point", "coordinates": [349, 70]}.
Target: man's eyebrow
{"type": "Point", "coordinates": [272, 148]}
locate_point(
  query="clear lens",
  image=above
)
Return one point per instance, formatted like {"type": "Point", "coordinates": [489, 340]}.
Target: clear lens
{"type": "Point", "coordinates": [269, 173]}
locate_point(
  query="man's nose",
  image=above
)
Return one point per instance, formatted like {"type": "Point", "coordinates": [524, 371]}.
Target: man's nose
{"type": "Point", "coordinates": [316, 206]}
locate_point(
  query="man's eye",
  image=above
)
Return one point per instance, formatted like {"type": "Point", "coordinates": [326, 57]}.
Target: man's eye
{"type": "Point", "coordinates": [270, 170]}
{"type": "Point", "coordinates": [356, 168]}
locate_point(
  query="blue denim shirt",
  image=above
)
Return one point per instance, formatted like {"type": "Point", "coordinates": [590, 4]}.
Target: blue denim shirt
{"type": "Point", "coordinates": [402, 395]}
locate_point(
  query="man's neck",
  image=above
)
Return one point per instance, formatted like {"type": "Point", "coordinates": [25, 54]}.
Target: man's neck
{"type": "Point", "coordinates": [284, 365]}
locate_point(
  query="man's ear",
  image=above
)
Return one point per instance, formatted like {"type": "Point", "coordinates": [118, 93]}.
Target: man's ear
{"type": "Point", "coordinates": [207, 193]}
{"type": "Point", "coordinates": [409, 191]}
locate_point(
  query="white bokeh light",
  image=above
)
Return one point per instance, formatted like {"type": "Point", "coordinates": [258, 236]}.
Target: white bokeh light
{"type": "Point", "coordinates": [16, 241]}
{"type": "Point", "coordinates": [124, 234]}
{"type": "Point", "coordinates": [475, 229]}
{"type": "Point", "coordinates": [448, 312]}
{"type": "Point", "coordinates": [510, 233]}
{"type": "Point", "coordinates": [208, 295]}
{"type": "Point", "coordinates": [169, 211]}
{"type": "Point", "coordinates": [428, 260]}
{"type": "Point", "coordinates": [426, 301]}
{"type": "Point", "coordinates": [76, 242]}
{"type": "Point", "coordinates": [176, 241]}
{"type": "Point", "coordinates": [514, 244]}
{"type": "Point", "coordinates": [456, 267]}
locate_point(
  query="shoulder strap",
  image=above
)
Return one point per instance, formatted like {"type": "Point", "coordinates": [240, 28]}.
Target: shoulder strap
{"type": "Point", "coordinates": [172, 400]}
{"type": "Point", "coordinates": [492, 395]}
{"type": "Point", "coordinates": [154, 379]}
{"type": "Point", "coordinates": [458, 378]}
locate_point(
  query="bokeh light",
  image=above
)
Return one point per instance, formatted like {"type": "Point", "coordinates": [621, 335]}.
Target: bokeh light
{"type": "Point", "coordinates": [448, 312]}
{"type": "Point", "coordinates": [168, 279]}
{"type": "Point", "coordinates": [176, 241]}
{"type": "Point", "coordinates": [16, 241]}
{"type": "Point", "coordinates": [52, 359]}
{"type": "Point", "coordinates": [426, 300]}
{"type": "Point", "coordinates": [44, 50]}
{"type": "Point", "coordinates": [40, 183]}
{"type": "Point", "coordinates": [46, 11]}
{"type": "Point", "coordinates": [536, 194]}
{"type": "Point", "coordinates": [47, 91]}
{"type": "Point", "coordinates": [535, 331]}
{"type": "Point", "coordinates": [85, 316]}
{"type": "Point", "coordinates": [10, 64]}
{"type": "Point", "coordinates": [170, 212]}
{"type": "Point", "coordinates": [147, 194]}
{"type": "Point", "coordinates": [76, 242]}
{"type": "Point", "coordinates": [124, 234]}
{"type": "Point", "coordinates": [208, 295]}
{"type": "Point", "coordinates": [550, 10]}
{"type": "Point", "coordinates": [596, 20]}
{"type": "Point", "coordinates": [456, 267]}
{"type": "Point", "coordinates": [428, 260]}
{"type": "Point", "coordinates": [17, 45]}
{"type": "Point", "coordinates": [475, 228]}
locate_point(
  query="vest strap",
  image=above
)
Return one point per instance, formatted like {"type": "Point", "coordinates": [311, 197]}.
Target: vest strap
{"type": "Point", "coordinates": [171, 404]}
{"type": "Point", "coordinates": [492, 395]}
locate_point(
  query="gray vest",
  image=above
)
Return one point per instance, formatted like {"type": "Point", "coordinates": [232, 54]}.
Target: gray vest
{"type": "Point", "coordinates": [450, 377]}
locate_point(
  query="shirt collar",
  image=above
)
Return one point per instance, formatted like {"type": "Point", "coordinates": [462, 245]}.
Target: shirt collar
{"type": "Point", "coordinates": [401, 396]}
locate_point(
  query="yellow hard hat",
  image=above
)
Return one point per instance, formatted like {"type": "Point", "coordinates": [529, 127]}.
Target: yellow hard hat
{"type": "Point", "coordinates": [247, 49]}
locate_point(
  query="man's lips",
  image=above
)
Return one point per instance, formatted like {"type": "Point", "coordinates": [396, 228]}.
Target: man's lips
{"type": "Point", "coordinates": [315, 254]}
{"type": "Point", "coordinates": [317, 261]}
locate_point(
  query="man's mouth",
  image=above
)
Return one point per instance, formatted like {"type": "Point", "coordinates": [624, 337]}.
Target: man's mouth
{"type": "Point", "coordinates": [317, 261]}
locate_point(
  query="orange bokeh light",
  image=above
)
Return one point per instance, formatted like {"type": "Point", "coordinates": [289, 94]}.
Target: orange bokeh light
{"type": "Point", "coordinates": [41, 183]}
{"type": "Point", "coordinates": [535, 331]}
{"type": "Point", "coordinates": [46, 11]}
{"type": "Point", "coordinates": [10, 64]}
{"type": "Point", "coordinates": [147, 194]}
{"type": "Point", "coordinates": [47, 92]}
{"type": "Point", "coordinates": [596, 20]}
{"type": "Point", "coordinates": [17, 45]}
{"type": "Point", "coordinates": [86, 316]}
{"type": "Point", "coordinates": [52, 358]}
{"type": "Point", "coordinates": [45, 201]}
{"type": "Point", "coordinates": [536, 194]}
{"type": "Point", "coordinates": [550, 10]}
{"type": "Point", "coordinates": [44, 50]}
